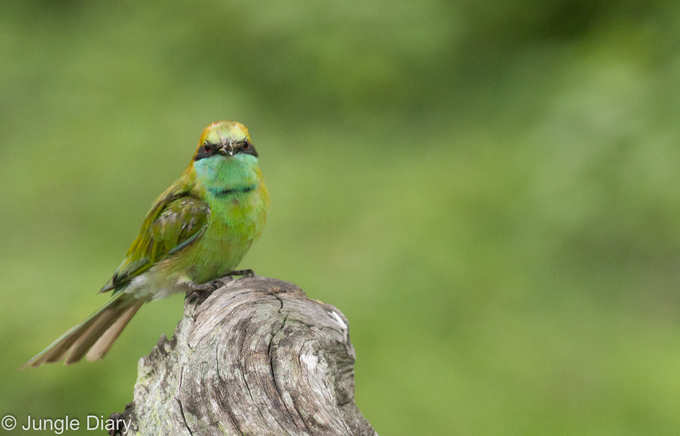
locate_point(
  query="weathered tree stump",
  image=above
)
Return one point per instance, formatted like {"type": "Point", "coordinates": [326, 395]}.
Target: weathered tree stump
{"type": "Point", "coordinates": [256, 357]}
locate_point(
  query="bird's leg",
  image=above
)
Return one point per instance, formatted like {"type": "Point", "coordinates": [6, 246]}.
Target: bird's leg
{"type": "Point", "coordinates": [202, 290]}
{"type": "Point", "coordinates": [242, 272]}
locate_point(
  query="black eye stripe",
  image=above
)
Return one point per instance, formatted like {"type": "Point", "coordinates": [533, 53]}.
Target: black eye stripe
{"type": "Point", "coordinates": [206, 150]}
{"type": "Point", "coordinates": [247, 148]}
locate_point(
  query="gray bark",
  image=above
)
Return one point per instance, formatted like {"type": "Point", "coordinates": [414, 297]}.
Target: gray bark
{"type": "Point", "coordinates": [256, 357]}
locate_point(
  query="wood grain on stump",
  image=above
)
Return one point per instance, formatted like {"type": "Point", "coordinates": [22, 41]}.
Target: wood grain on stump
{"type": "Point", "coordinates": [256, 357]}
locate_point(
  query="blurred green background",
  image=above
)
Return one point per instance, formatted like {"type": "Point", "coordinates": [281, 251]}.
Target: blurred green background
{"type": "Point", "coordinates": [488, 191]}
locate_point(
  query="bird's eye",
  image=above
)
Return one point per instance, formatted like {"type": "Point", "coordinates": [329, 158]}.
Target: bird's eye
{"type": "Point", "coordinates": [248, 148]}
{"type": "Point", "coordinates": [206, 150]}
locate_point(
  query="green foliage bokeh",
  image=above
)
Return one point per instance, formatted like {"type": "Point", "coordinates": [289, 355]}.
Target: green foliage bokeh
{"type": "Point", "coordinates": [489, 192]}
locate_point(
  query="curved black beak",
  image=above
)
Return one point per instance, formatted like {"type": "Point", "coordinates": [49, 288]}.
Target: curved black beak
{"type": "Point", "coordinates": [226, 150]}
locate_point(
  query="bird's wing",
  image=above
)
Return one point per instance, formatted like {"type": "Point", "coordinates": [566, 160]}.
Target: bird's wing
{"type": "Point", "coordinates": [175, 222]}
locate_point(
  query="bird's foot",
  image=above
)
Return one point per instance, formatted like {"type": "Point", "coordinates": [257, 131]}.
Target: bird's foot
{"type": "Point", "coordinates": [201, 291]}
{"type": "Point", "coordinates": [242, 272]}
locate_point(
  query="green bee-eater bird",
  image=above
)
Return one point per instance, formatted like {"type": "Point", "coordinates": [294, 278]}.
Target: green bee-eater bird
{"type": "Point", "coordinates": [199, 229]}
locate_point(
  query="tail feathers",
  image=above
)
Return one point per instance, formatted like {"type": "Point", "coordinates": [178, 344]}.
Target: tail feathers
{"type": "Point", "coordinates": [101, 347]}
{"type": "Point", "coordinates": [93, 337]}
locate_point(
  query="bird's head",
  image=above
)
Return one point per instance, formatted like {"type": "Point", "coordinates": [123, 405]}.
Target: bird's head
{"type": "Point", "coordinates": [224, 138]}
{"type": "Point", "coordinates": [226, 157]}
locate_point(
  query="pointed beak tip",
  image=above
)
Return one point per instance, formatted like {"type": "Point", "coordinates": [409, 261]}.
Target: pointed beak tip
{"type": "Point", "coordinates": [226, 151]}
